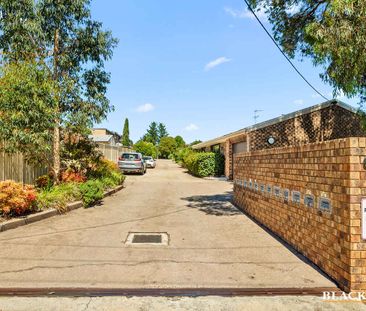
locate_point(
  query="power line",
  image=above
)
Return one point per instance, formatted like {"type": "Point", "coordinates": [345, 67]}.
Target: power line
{"type": "Point", "coordinates": [282, 52]}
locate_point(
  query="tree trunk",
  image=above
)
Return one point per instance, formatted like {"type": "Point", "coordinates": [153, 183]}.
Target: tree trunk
{"type": "Point", "coordinates": [56, 129]}
{"type": "Point", "coordinates": [56, 152]}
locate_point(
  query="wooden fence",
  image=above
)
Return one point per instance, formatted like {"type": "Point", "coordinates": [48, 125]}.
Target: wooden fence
{"type": "Point", "coordinates": [14, 167]}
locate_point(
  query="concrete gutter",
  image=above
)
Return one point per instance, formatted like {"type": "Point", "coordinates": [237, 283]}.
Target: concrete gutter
{"type": "Point", "coordinates": [15, 223]}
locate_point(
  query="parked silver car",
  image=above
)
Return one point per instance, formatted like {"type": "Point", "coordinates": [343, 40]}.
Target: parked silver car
{"type": "Point", "coordinates": [150, 162]}
{"type": "Point", "coordinates": [132, 162]}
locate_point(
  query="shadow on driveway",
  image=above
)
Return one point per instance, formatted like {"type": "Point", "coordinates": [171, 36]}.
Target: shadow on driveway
{"type": "Point", "coordinates": [217, 204]}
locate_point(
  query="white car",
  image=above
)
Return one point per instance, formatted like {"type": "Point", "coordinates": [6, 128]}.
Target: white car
{"type": "Point", "coordinates": [150, 162]}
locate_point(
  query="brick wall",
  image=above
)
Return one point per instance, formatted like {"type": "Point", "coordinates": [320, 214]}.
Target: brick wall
{"type": "Point", "coordinates": [228, 152]}
{"type": "Point", "coordinates": [329, 123]}
{"type": "Point", "coordinates": [317, 210]}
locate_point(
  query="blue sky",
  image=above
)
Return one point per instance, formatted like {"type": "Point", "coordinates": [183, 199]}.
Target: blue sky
{"type": "Point", "coordinates": [200, 67]}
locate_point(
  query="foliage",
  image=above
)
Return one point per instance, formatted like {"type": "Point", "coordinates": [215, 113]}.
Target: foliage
{"type": "Point", "coordinates": [80, 155]}
{"type": "Point", "coordinates": [58, 196]}
{"type": "Point", "coordinates": [44, 182]}
{"type": "Point", "coordinates": [180, 141]}
{"type": "Point", "coordinates": [105, 175]}
{"type": "Point", "coordinates": [152, 134]}
{"type": "Point", "coordinates": [72, 176]}
{"type": "Point", "coordinates": [27, 110]}
{"type": "Point", "coordinates": [107, 169]}
{"type": "Point", "coordinates": [155, 133]}
{"type": "Point", "coordinates": [92, 191]}
{"type": "Point", "coordinates": [181, 154]}
{"type": "Point", "coordinates": [61, 36]}
{"type": "Point", "coordinates": [16, 199]}
{"type": "Point", "coordinates": [167, 146]}
{"type": "Point", "coordinates": [203, 164]}
{"type": "Point", "coordinates": [162, 131]}
{"type": "Point", "coordinates": [146, 148]}
{"type": "Point", "coordinates": [125, 140]}
{"type": "Point", "coordinates": [332, 33]}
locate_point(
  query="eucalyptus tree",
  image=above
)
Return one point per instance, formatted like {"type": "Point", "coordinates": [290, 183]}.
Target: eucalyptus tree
{"type": "Point", "coordinates": [61, 36]}
{"type": "Point", "coordinates": [331, 32]}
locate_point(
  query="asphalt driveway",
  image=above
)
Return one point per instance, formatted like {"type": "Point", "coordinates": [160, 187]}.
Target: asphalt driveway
{"type": "Point", "coordinates": [211, 244]}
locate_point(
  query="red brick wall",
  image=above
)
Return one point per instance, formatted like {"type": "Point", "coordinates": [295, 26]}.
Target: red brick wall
{"type": "Point", "coordinates": [332, 170]}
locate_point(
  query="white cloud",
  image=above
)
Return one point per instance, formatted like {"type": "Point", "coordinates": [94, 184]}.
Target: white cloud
{"type": "Point", "coordinates": [191, 127]}
{"type": "Point", "coordinates": [299, 102]}
{"type": "Point", "coordinates": [245, 13]}
{"type": "Point", "coordinates": [145, 107]}
{"type": "Point", "coordinates": [217, 62]}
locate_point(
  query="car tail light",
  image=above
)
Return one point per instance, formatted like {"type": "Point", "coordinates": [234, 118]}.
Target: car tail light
{"type": "Point", "coordinates": [119, 158]}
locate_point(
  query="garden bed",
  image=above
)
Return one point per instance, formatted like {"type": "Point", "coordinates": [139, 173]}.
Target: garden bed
{"type": "Point", "coordinates": [84, 184]}
{"type": "Point", "coordinates": [7, 224]}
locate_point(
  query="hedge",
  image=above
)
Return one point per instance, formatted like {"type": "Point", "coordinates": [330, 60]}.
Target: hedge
{"type": "Point", "coordinates": [203, 164]}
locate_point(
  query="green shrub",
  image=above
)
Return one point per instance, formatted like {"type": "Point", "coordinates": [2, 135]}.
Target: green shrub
{"type": "Point", "coordinates": [203, 164]}
{"type": "Point", "coordinates": [92, 191]}
{"type": "Point", "coordinates": [58, 196]}
{"type": "Point", "coordinates": [117, 177]}
{"type": "Point", "coordinates": [107, 169]}
{"type": "Point", "coordinates": [181, 154]}
{"type": "Point", "coordinates": [79, 154]}
{"type": "Point", "coordinates": [146, 148]}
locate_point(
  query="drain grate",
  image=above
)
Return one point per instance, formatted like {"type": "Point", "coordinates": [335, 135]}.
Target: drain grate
{"type": "Point", "coordinates": [150, 238]}
{"type": "Point", "coordinates": [147, 238]}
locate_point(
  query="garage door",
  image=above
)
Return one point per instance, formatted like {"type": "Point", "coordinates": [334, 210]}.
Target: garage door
{"type": "Point", "coordinates": [239, 147]}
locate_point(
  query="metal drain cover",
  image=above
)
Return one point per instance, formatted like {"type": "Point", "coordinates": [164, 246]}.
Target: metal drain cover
{"type": "Point", "coordinates": [147, 238]}
{"type": "Point", "coordinates": [150, 238]}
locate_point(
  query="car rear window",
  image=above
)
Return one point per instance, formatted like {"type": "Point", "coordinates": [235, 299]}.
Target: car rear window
{"type": "Point", "coordinates": [147, 158]}
{"type": "Point", "coordinates": [130, 156]}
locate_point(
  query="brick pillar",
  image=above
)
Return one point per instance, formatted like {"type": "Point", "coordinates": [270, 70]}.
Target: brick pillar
{"type": "Point", "coordinates": [228, 160]}
{"type": "Point", "coordinates": [357, 191]}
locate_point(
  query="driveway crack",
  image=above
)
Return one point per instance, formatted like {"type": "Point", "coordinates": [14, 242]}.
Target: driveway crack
{"type": "Point", "coordinates": [132, 264]}
{"type": "Point", "coordinates": [88, 303]}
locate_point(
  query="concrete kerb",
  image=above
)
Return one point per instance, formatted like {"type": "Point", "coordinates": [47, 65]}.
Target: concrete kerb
{"type": "Point", "coordinates": [222, 178]}
{"type": "Point", "coordinates": [15, 223]}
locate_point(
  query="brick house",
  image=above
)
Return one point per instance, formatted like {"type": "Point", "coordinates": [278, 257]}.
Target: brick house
{"type": "Point", "coordinates": [326, 121]}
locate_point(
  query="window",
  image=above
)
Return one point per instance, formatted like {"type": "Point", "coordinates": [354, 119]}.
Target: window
{"type": "Point", "coordinates": [130, 156]}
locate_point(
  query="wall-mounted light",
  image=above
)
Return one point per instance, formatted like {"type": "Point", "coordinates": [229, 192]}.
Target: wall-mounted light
{"type": "Point", "coordinates": [271, 140]}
